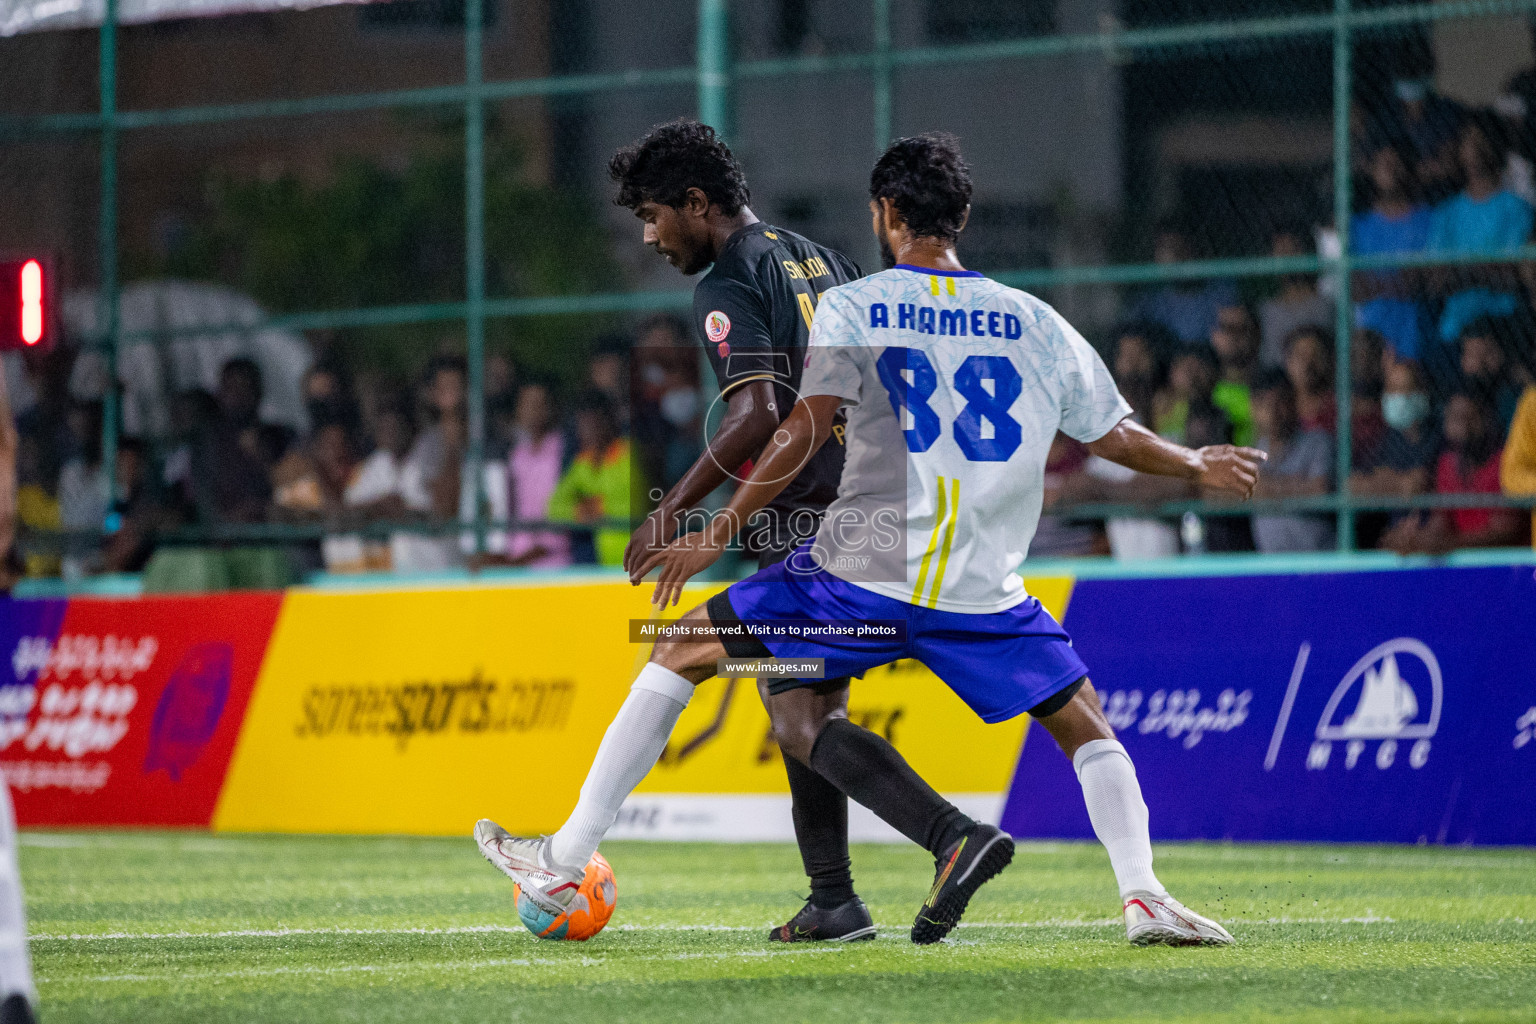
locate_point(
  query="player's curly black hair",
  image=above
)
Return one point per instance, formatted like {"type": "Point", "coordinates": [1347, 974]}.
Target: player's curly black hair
{"type": "Point", "coordinates": [928, 181]}
{"type": "Point", "coordinates": [673, 158]}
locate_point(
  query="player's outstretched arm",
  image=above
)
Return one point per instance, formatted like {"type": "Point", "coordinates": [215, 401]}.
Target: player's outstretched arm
{"type": "Point", "coordinates": [1220, 467]}
{"type": "Point", "coordinates": [807, 429]}
{"type": "Point", "coordinates": [749, 422]}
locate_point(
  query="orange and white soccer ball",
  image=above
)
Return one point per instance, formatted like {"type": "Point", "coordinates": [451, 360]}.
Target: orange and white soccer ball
{"type": "Point", "coordinates": [589, 911]}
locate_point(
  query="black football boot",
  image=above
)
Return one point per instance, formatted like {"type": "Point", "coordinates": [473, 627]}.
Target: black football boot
{"type": "Point", "coordinates": [848, 922]}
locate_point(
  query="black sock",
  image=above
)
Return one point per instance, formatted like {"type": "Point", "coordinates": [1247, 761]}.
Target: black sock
{"type": "Point", "coordinates": [821, 829]}
{"type": "Point", "coordinates": [870, 770]}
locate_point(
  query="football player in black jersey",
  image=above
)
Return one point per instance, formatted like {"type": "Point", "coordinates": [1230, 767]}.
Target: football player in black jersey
{"type": "Point", "coordinates": [752, 312]}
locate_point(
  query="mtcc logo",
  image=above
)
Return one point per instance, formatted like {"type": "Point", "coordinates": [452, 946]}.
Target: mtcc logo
{"type": "Point", "coordinates": [1396, 692]}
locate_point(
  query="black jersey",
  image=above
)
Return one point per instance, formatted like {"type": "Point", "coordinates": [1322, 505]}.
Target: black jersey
{"type": "Point", "coordinates": [752, 312]}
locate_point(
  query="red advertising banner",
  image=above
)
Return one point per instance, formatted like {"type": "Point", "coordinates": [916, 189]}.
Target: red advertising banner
{"type": "Point", "coordinates": [127, 711]}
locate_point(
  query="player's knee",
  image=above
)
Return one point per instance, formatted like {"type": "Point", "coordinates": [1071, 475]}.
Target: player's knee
{"type": "Point", "coordinates": [796, 736]}
{"type": "Point", "coordinates": [1080, 721]}
{"type": "Point", "coordinates": [683, 658]}
{"type": "Point", "coordinates": [796, 727]}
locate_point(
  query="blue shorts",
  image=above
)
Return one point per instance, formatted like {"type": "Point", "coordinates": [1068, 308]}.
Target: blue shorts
{"type": "Point", "coordinates": [1001, 664]}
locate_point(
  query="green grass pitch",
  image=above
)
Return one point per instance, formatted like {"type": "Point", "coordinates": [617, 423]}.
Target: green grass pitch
{"type": "Point", "coordinates": [167, 927]}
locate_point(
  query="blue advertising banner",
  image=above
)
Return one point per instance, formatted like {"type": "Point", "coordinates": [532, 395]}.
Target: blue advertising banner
{"type": "Point", "coordinates": [1395, 706]}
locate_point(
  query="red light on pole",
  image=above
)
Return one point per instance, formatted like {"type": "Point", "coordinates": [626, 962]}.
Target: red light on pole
{"type": "Point", "coordinates": [27, 288]}
{"type": "Point", "coordinates": [31, 302]}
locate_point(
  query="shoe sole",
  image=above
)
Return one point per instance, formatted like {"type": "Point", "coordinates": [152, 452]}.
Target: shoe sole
{"type": "Point", "coordinates": [1157, 935]}
{"type": "Point", "coordinates": [933, 925]}
{"type": "Point", "coordinates": [857, 935]}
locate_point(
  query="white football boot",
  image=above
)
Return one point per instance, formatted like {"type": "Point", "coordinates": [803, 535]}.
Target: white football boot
{"type": "Point", "coordinates": [528, 863]}
{"type": "Point", "coordinates": [1162, 920]}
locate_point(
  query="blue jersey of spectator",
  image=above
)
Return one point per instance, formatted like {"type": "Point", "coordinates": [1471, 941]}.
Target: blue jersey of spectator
{"type": "Point", "coordinates": [1400, 320]}
{"type": "Point", "coordinates": [1499, 223]}
{"type": "Point", "coordinates": [1190, 313]}
{"type": "Point", "coordinates": [1187, 308]}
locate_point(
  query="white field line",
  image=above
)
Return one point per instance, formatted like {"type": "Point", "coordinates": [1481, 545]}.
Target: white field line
{"type": "Point", "coordinates": [482, 929]}
{"type": "Point", "coordinates": [1276, 853]}
{"type": "Point", "coordinates": [456, 965]}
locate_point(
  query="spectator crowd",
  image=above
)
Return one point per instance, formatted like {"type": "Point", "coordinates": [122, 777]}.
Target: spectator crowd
{"type": "Point", "coordinates": [383, 468]}
{"type": "Point", "coordinates": [1439, 357]}
{"type": "Point", "coordinates": [1442, 401]}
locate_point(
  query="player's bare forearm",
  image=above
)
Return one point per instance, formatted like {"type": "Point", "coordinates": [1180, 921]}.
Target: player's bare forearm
{"type": "Point", "coordinates": [749, 423]}
{"type": "Point", "coordinates": [792, 445]}
{"type": "Point", "coordinates": [1223, 467]}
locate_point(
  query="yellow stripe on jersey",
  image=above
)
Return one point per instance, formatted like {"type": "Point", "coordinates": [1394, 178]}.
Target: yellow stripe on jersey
{"type": "Point", "coordinates": [949, 283]}
{"type": "Point", "coordinates": [933, 282]}
{"type": "Point", "coordinates": [933, 545]}
{"type": "Point", "coordinates": [949, 536]}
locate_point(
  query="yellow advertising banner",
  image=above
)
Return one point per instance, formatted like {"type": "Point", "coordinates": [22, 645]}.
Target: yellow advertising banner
{"type": "Point", "coordinates": [420, 711]}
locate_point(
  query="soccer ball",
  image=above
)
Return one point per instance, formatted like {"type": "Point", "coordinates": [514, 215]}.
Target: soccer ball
{"type": "Point", "coordinates": [589, 911]}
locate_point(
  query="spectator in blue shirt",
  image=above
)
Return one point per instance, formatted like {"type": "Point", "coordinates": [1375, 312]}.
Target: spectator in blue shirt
{"type": "Point", "coordinates": [1484, 217]}
{"type": "Point", "coordinates": [1187, 308]}
{"type": "Point", "coordinates": [1396, 222]}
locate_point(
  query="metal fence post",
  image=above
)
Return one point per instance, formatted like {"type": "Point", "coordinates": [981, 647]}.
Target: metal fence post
{"type": "Point", "coordinates": [882, 42]}
{"type": "Point", "coordinates": [474, 254]}
{"type": "Point", "coordinates": [1344, 314]}
{"type": "Point", "coordinates": [106, 245]}
{"type": "Point", "coordinates": [714, 65]}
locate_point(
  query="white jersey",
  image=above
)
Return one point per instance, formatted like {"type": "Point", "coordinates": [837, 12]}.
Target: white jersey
{"type": "Point", "coordinates": [955, 387]}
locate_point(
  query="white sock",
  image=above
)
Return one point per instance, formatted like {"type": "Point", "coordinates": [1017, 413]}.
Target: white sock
{"type": "Point", "coordinates": [15, 964]}
{"type": "Point", "coordinates": [1118, 813]}
{"type": "Point", "coordinates": [629, 750]}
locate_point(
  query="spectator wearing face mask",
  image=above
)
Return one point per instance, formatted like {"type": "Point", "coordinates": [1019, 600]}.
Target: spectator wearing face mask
{"type": "Point", "coordinates": [1486, 368]}
{"type": "Point", "coordinates": [682, 407]}
{"type": "Point", "coordinates": [1469, 464]}
{"type": "Point", "coordinates": [1402, 464]}
{"type": "Point", "coordinates": [1301, 463]}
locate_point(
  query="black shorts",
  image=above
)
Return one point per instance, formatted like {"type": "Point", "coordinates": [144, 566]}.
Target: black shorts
{"type": "Point", "coordinates": [776, 548]}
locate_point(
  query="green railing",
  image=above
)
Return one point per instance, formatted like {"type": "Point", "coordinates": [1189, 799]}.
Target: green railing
{"type": "Point", "coordinates": [714, 74]}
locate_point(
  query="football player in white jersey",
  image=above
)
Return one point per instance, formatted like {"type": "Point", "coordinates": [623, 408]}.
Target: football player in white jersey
{"type": "Point", "coordinates": [954, 387]}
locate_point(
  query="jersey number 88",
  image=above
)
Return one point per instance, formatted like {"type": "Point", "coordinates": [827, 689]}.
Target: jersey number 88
{"type": "Point", "coordinates": [981, 404]}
